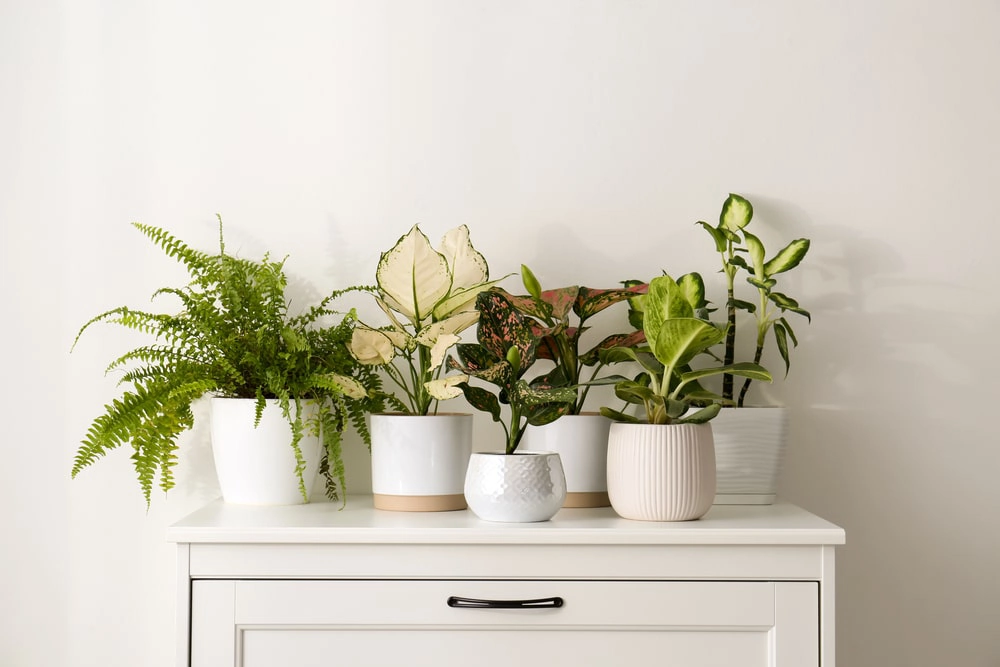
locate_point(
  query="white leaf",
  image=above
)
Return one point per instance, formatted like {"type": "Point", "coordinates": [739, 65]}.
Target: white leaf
{"type": "Point", "coordinates": [371, 347]}
{"type": "Point", "coordinates": [447, 387]}
{"type": "Point", "coordinates": [440, 347]}
{"type": "Point", "coordinates": [468, 267]}
{"type": "Point", "coordinates": [412, 277]}
{"type": "Point", "coordinates": [453, 325]}
{"type": "Point", "coordinates": [349, 386]}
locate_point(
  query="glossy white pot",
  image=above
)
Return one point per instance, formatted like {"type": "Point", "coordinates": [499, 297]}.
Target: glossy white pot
{"type": "Point", "coordinates": [256, 466]}
{"type": "Point", "coordinates": [419, 461]}
{"type": "Point", "coordinates": [582, 444]}
{"type": "Point", "coordinates": [749, 450]}
{"type": "Point", "coordinates": [661, 472]}
{"type": "Point", "coordinates": [515, 488]}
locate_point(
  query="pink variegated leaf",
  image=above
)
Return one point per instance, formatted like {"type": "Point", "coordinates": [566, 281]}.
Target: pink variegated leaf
{"type": "Point", "coordinates": [592, 301]}
{"type": "Point", "coordinates": [501, 327]}
{"type": "Point", "coordinates": [615, 340]}
{"type": "Point", "coordinates": [561, 300]}
{"type": "Point", "coordinates": [525, 304]}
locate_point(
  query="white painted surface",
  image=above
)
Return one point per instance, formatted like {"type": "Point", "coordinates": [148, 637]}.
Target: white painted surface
{"type": "Point", "coordinates": [567, 135]}
{"type": "Point", "coordinates": [581, 441]}
{"type": "Point", "coordinates": [420, 455]}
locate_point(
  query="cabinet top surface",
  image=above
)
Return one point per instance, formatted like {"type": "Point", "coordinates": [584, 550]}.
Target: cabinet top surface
{"type": "Point", "coordinates": [359, 523]}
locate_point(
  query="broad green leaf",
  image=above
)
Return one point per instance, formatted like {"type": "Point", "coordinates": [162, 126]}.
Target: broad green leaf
{"type": "Point", "coordinates": [756, 249]}
{"type": "Point", "coordinates": [717, 236]}
{"type": "Point", "coordinates": [744, 369]}
{"type": "Point", "coordinates": [675, 408]}
{"type": "Point", "coordinates": [447, 387]}
{"type": "Point", "coordinates": [480, 399]}
{"type": "Point", "coordinates": [664, 302]}
{"type": "Point", "coordinates": [781, 338]}
{"type": "Point", "coordinates": [525, 395]}
{"type": "Point", "coordinates": [765, 285]}
{"type": "Point", "coordinates": [633, 392]}
{"type": "Point", "coordinates": [546, 413]}
{"type": "Point", "coordinates": [745, 305]}
{"type": "Point", "coordinates": [692, 287]}
{"type": "Point", "coordinates": [619, 416]}
{"type": "Point", "coordinates": [737, 260]}
{"type": "Point", "coordinates": [467, 266]}
{"type": "Point", "coordinates": [474, 357]}
{"type": "Point", "coordinates": [707, 413]}
{"type": "Point", "coordinates": [681, 339]}
{"type": "Point", "coordinates": [788, 303]}
{"type": "Point", "coordinates": [656, 411]}
{"type": "Point", "coordinates": [412, 277]}
{"type": "Point", "coordinates": [787, 258]}
{"type": "Point", "coordinates": [616, 355]}
{"type": "Point", "coordinates": [531, 283]}
{"type": "Point", "coordinates": [736, 213]}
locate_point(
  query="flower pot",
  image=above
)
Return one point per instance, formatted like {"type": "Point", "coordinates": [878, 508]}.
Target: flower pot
{"type": "Point", "coordinates": [749, 450]}
{"type": "Point", "coordinates": [256, 466]}
{"type": "Point", "coordinates": [582, 444]}
{"type": "Point", "coordinates": [661, 472]}
{"type": "Point", "coordinates": [419, 461]}
{"type": "Point", "coordinates": [515, 488]}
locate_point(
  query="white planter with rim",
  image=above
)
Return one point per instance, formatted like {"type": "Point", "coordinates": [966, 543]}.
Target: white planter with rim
{"type": "Point", "coordinates": [419, 461]}
{"type": "Point", "coordinates": [256, 466]}
{"type": "Point", "coordinates": [582, 444]}
{"type": "Point", "coordinates": [749, 450]}
{"type": "Point", "coordinates": [659, 472]}
{"type": "Point", "coordinates": [515, 488]}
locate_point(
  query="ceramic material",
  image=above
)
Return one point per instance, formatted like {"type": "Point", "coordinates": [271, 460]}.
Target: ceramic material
{"type": "Point", "coordinates": [256, 466]}
{"type": "Point", "coordinates": [419, 461]}
{"type": "Point", "coordinates": [749, 450]}
{"type": "Point", "coordinates": [516, 488]}
{"type": "Point", "coordinates": [582, 444]}
{"type": "Point", "coordinates": [661, 472]}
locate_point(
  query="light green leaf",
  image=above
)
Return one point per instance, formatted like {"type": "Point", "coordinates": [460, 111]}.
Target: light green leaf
{"type": "Point", "coordinates": [756, 249]}
{"type": "Point", "coordinates": [717, 236]}
{"type": "Point", "coordinates": [736, 213]}
{"type": "Point", "coordinates": [744, 369]}
{"type": "Point", "coordinates": [531, 283]}
{"type": "Point", "coordinates": [619, 416]}
{"type": "Point", "coordinates": [692, 287]}
{"type": "Point", "coordinates": [664, 301]}
{"type": "Point", "coordinates": [788, 257]}
{"type": "Point", "coordinates": [412, 277]}
{"type": "Point", "coordinates": [681, 339]}
{"type": "Point", "coordinates": [705, 414]}
{"type": "Point", "coordinates": [781, 338]}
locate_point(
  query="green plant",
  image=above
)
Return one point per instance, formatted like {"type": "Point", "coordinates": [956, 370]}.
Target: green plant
{"type": "Point", "coordinates": [232, 337]}
{"type": "Point", "coordinates": [667, 387]}
{"type": "Point", "coordinates": [507, 347]}
{"type": "Point", "coordinates": [769, 310]}
{"type": "Point", "coordinates": [428, 296]}
{"type": "Point", "coordinates": [550, 312]}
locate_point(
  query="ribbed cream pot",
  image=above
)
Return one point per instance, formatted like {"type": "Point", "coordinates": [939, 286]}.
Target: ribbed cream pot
{"type": "Point", "coordinates": [661, 472]}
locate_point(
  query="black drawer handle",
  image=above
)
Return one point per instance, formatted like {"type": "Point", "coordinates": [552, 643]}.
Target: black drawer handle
{"type": "Point", "coordinates": [472, 603]}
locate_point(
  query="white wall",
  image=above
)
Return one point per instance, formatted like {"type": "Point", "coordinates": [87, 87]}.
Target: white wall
{"type": "Point", "coordinates": [583, 138]}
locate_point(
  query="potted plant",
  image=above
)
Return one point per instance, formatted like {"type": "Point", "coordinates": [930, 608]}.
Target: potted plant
{"type": "Point", "coordinates": [507, 485]}
{"type": "Point", "coordinates": [580, 438]}
{"type": "Point", "coordinates": [750, 443]}
{"type": "Point", "coordinates": [661, 467]}
{"type": "Point", "coordinates": [268, 372]}
{"type": "Point", "coordinates": [419, 456]}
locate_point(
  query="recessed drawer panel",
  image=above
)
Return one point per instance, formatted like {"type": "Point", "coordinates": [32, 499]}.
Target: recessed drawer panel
{"type": "Point", "coordinates": [580, 603]}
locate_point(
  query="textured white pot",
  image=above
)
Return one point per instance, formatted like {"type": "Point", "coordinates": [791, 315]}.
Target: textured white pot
{"type": "Point", "coordinates": [515, 488]}
{"type": "Point", "coordinates": [749, 451]}
{"type": "Point", "coordinates": [661, 472]}
{"type": "Point", "coordinates": [582, 444]}
{"type": "Point", "coordinates": [419, 461]}
{"type": "Point", "coordinates": [256, 466]}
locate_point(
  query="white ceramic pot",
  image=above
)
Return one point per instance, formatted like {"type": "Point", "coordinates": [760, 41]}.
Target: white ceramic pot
{"type": "Point", "coordinates": [515, 488]}
{"type": "Point", "coordinates": [419, 461]}
{"type": "Point", "coordinates": [582, 444]}
{"type": "Point", "coordinates": [749, 450]}
{"type": "Point", "coordinates": [661, 472]}
{"type": "Point", "coordinates": [257, 466]}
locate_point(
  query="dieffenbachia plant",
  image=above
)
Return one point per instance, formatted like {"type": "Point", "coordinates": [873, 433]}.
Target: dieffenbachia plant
{"type": "Point", "coordinates": [550, 311]}
{"type": "Point", "coordinates": [769, 310]}
{"type": "Point", "coordinates": [667, 387]}
{"type": "Point", "coordinates": [508, 344]}
{"type": "Point", "coordinates": [429, 297]}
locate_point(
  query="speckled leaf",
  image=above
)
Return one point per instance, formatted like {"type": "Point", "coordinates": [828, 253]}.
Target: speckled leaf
{"type": "Point", "coordinates": [412, 277]}
{"type": "Point", "coordinates": [736, 213]}
{"type": "Point", "coordinates": [592, 356]}
{"type": "Point", "coordinates": [480, 399]}
{"type": "Point", "coordinates": [592, 301]}
{"type": "Point", "coordinates": [501, 327]}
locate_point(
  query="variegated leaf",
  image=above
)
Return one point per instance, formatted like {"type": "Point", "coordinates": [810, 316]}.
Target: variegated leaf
{"type": "Point", "coordinates": [560, 300]}
{"type": "Point", "coordinates": [692, 286]}
{"type": "Point", "coordinates": [440, 348]}
{"type": "Point", "coordinates": [736, 213]}
{"type": "Point", "coordinates": [592, 301]}
{"type": "Point", "coordinates": [756, 249]}
{"type": "Point", "coordinates": [371, 347]}
{"type": "Point", "coordinates": [681, 339]}
{"type": "Point", "coordinates": [717, 236]}
{"type": "Point", "coordinates": [453, 325]}
{"type": "Point", "coordinates": [480, 399]}
{"type": "Point", "coordinates": [447, 387]}
{"type": "Point", "coordinates": [664, 302]}
{"type": "Point", "coordinates": [788, 257]}
{"type": "Point", "coordinates": [501, 327]}
{"type": "Point", "coordinates": [412, 277]}
{"type": "Point", "coordinates": [468, 267]}
{"type": "Point", "coordinates": [633, 339]}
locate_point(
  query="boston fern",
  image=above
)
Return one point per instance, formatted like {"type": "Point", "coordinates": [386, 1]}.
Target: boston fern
{"type": "Point", "coordinates": [233, 337]}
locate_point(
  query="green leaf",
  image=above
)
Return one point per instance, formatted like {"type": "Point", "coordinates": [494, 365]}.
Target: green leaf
{"type": "Point", "coordinates": [523, 394]}
{"type": "Point", "coordinates": [756, 250]}
{"type": "Point", "coordinates": [619, 416]}
{"type": "Point", "coordinates": [781, 338]}
{"type": "Point", "coordinates": [717, 236]}
{"type": "Point", "coordinates": [701, 416]}
{"type": "Point", "coordinates": [745, 305]}
{"type": "Point", "coordinates": [591, 301]}
{"type": "Point", "coordinates": [664, 301]}
{"type": "Point", "coordinates": [480, 399]}
{"type": "Point", "coordinates": [644, 358]}
{"type": "Point", "coordinates": [788, 257]}
{"type": "Point", "coordinates": [736, 213]}
{"type": "Point", "coordinates": [412, 277]}
{"type": "Point", "coordinates": [633, 339]}
{"type": "Point", "coordinates": [501, 326]}
{"type": "Point", "coordinates": [765, 285]}
{"type": "Point", "coordinates": [789, 331]}
{"type": "Point", "coordinates": [633, 392]}
{"type": "Point", "coordinates": [540, 415]}
{"type": "Point", "coordinates": [531, 283]}
{"type": "Point", "coordinates": [681, 339]}
{"type": "Point", "coordinates": [743, 369]}
{"type": "Point", "coordinates": [692, 287]}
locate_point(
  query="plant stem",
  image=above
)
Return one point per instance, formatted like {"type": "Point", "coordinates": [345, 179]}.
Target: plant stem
{"type": "Point", "coordinates": [730, 271]}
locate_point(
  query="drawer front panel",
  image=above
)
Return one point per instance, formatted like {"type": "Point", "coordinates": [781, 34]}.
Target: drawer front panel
{"type": "Point", "coordinates": [592, 603]}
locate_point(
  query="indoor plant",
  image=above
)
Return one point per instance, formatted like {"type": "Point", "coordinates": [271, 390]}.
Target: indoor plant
{"type": "Point", "coordinates": [428, 296]}
{"type": "Point", "coordinates": [750, 443]}
{"type": "Point", "coordinates": [505, 486]}
{"type": "Point", "coordinates": [234, 338]}
{"type": "Point", "coordinates": [580, 439]}
{"type": "Point", "coordinates": [662, 466]}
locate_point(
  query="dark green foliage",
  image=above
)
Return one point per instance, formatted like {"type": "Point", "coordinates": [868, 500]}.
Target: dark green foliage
{"type": "Point", "coordinates": [231, 336]}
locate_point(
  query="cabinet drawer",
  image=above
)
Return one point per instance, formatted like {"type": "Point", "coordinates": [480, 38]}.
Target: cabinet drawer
{"type": "Point", "coordinates": [390, 622]}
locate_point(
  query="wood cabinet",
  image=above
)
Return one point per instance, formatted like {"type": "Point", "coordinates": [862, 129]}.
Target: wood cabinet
{"type": "Point", "coordinates": [316, 585]}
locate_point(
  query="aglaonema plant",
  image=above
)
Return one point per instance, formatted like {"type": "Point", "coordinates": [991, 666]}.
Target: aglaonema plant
{"type": "Point", "coordinates": [551, 314]}
{"type": "Point", "coordinates": [429, 298]}
{"type": "Point", "coordinates": [667, 387]}
{"type": "Point", "coordinates": [507, 347]}
{"type": "Point", "coordinates": [735, 245]}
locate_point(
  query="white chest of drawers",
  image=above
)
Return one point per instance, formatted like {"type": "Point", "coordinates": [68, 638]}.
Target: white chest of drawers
{"type": "Point", "coordinates": [314, 585]}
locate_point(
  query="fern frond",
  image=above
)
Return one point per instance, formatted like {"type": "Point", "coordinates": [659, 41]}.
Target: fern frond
{"type": "Point", "coordinates": [194, 260]}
